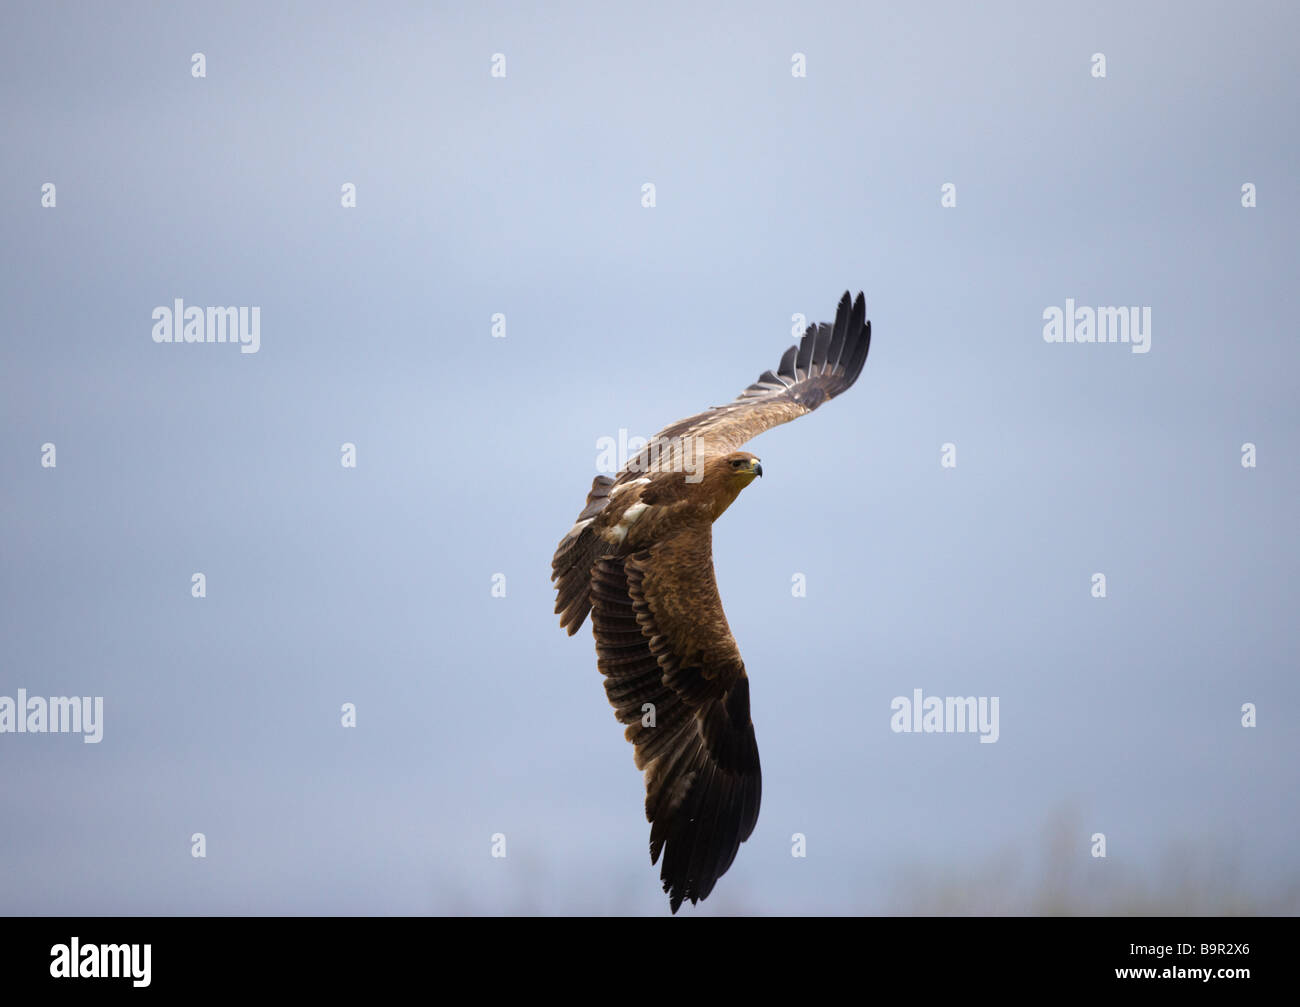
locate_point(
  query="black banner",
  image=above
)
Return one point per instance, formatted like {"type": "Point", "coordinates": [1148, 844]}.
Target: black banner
{"type": "Point", "coordinates": [334, 955]}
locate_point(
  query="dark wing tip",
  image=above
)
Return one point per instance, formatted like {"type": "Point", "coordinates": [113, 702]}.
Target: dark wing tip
{"type": "Point", "coordinates": [786, 367]}
{"type": "Point", "coordinates": [858, 341]}
{"type": "Point", "coordinates": [831, 355]}
{"type": "Point", "coordinates": [700, 835]}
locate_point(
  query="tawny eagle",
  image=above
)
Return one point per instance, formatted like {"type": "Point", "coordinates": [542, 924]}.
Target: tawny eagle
{"type": "Point", "coordinates": [640, 560]}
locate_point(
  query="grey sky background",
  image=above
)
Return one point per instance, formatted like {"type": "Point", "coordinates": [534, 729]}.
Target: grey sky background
{"type": "Point", "coordinates": [521, 195]}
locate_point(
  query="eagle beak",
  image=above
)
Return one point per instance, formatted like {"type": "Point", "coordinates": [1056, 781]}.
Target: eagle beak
{"type": "Point", "coordinates": [758, 468]}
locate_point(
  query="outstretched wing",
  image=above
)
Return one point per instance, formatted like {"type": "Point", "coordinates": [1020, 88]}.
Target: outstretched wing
{"type": "Point", "coordinates": [826, 362]}
{"type": "Point", "coordinates": [674, 675]}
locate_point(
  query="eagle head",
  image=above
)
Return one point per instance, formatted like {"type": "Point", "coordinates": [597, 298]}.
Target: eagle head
{"type": "Point", "coordinates": [725, 476]}
{"type": "Point", "coordinates": [743, 467]}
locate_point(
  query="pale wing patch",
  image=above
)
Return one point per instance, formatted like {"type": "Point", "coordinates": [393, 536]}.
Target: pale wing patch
{"type": "Point", "coordinates": [619, 532]}
{"type": "Point", "coordinates": [622, 486]}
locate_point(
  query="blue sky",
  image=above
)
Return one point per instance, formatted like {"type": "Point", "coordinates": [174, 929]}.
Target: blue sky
{"type": "Point", "coordinates": [522, 196]}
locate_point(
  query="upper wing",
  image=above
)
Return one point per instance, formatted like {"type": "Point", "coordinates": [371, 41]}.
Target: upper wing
{"type": "Point", "coordinates": [827, 361]}
{"type": "Point", "coordinates": [662, 639]}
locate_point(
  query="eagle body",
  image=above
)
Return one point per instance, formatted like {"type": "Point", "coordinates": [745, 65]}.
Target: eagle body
{"type": "Point", "coordinates": [639, 561]}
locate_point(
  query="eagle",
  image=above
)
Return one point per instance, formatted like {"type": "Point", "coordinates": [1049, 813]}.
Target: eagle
{"type": "Point", "coordinates": [639, 560]}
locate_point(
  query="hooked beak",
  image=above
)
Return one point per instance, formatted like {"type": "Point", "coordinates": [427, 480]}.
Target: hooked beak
{"type": "Point", "coordinates": [757, 468]}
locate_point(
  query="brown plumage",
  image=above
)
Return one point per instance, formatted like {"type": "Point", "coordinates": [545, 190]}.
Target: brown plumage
{"type": "Point", "coordinates": [640, 561]}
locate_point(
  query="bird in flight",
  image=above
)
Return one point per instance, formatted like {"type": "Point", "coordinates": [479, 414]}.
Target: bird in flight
{"type": "Point", "coordinates": [639, 559]}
